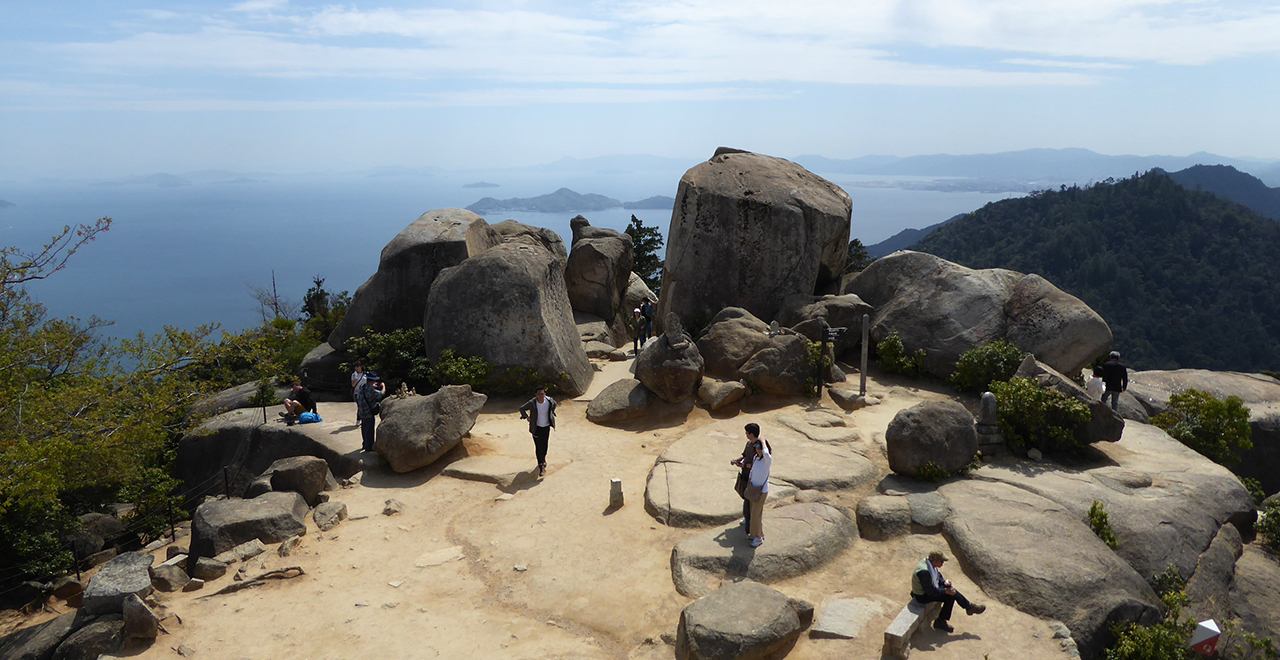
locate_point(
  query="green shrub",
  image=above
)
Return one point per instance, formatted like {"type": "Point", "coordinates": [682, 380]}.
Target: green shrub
{"type": "Point", "coordinates": [812, 386]}
{"type": "Point", "coordinates": [1166, 640]}
{"type": "Point", "coordinates": [520, 381]}
{"type": "Point", "coordinates": [1167, 582]}
{"type": "Point", "coordinates": [1268, 525]}
{"type": "Point", "coordinates": [1101, 526]}
{"type": "Point", "coordinates": [932, 472]}
{"type": "Point", "coordinates": [1214, 427]}
{"type": "Point", "coordinates": [265, 395]}
{"type": "Point", "coordinates": [454, 369]}
{"type": "Point", "coordinates": [1032, 415]}
{"type": "Point", "coordinates": [894, 358]}
{"type": "Point", "coordinates": [397, 356]}
{"type": "Point", "coordinates": [1255, 489]}
{"type": "Point", "coordinates": [981, 365]}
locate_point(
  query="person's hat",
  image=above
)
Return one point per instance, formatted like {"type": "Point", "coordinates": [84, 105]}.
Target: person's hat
{"type": "Point", "coordinates": [1115, 355]}
{"type": "Point", "coordinates": [372, 377]}
{"type": "Point", "coordinates": [937, 555]}
{"type": "Point", "coordinates": [635, 311]}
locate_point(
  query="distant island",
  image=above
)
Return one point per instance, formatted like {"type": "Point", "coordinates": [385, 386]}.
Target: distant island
{"type": "Point", "coordinates": [480, 184]}
{"type": "Point", "coordinates": [655, 202]}
{"type": "Point", "coordinates": [565, 201]}
{"type": "Point", "coordinates": [6, 205]}
{"type": "Point", "coordinates": [160, 180]}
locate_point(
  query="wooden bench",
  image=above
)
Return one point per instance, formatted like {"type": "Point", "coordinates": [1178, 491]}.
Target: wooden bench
{"type": "Point", "coordinates": [897, 637]}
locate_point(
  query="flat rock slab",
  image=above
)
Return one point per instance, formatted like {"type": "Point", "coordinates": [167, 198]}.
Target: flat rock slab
{"type": "Point", "coordinates": [221, 525]}
{"type": "Point", "coordinates": [844, 618]}
{"type": "Point", "coordinates": [824, 430]}
{"type": "Point", "coordinates": [118, 579]}
{"type": "Point", "coordinates": [691, 483]}
{"type": "Point", "coordinates": [504, 471]}
{"type": "Point", "coordinates": [742, 621]}
{"type": "Point", "coordinates": [798, 539]}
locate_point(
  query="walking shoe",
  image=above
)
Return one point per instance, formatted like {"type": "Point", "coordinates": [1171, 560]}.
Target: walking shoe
{"type": "Point", "coordinates": [756, 541]}
{"type": "Point", "coordinates": [974, 608]}
{"type": "Point", "coordinates": [743, 522]}
{"type": "Point", "coordinates": [943, 625]}
{"type": "Point", "coordinates": [542, 469]}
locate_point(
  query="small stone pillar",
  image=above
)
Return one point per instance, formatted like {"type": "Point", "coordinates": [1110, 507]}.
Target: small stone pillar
{"type": "Point", "coordinates": [990, 439]}
{"type": "Point", "coordinates": [615, 493]}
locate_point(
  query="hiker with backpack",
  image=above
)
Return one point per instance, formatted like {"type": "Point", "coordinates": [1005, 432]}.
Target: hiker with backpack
{"type": "Point", "coordinates": [368, 397]}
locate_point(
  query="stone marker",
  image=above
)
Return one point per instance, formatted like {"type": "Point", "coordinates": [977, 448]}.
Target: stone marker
{"type": "Point", "coordinates": [615, 493]}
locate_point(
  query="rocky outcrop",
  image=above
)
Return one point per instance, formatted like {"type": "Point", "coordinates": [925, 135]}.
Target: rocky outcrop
{"type": "Point", "coordinates": [740, 621]}
{"type": "Point", "coordinates": [1255, 594]}
{"type": "Point", "coordinates": [716, 394]}
{"type": "Point", "coordinates": [732, 337]}
{"type": "Point", "coordinates": [417, 430]}
{"type": "Point", "coordinates": [782, 368]}
{"type": "Point", "coordinates": [1104, 424]}
{"type": "Point", "coordinates": [801, 538]}
{"type": "Point", "coordinates": [1034, 554]}
{"type": "Point", "coordinates": [119, 578]}
{"type": "Point", "coordinates": [321, 370]}
{"type": "Point", "coordinates": [637, 292]}
{"type": "Point", "coordinates": [670, 367]}
{"type": "Point", "coordinates": [509, 306]}
{"type": "Point", "coordinates": [240, 396]}
{"type": "Point", "coordinates": [749, 230]}
{"type": "Point", "coordinates": [104, 635]}
{"type": "Point", "coordinates": [947, 309]}
{"type": "Point", "coordinates": [1260, 393]}
{"type": "Point", "coordinates": [598, 272]}
{"type": "Point", "coordinates": [307, 476]}
{"type": "Point", "coordinates": [515, 232]}
{"type": "Point", "coordinates": [883, 517]}
{"type": "Point", "coordinates": [940, 433]}
{"type": "Point", "coordinates": [1210, 585]}
{"type": "Point", "coordinates": [799, 312]}
{"type": "Point", "coordinates": [220, 525]}
{"type": "Point", "coordinates": [623, 400]}
{"type": "Point", "coordinates": [396, 295]}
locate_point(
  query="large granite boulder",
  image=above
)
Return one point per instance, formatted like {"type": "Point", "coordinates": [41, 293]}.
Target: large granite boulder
{"type": "Point", "coordinates": [39, 641]}
{"type": "Point", "coordinates": [1104, 424]}
{"type": "Point", "coordinates": [1034, 554]}
{"type": "Point", "coordinates": [246, 447]}
{"type": "Point", "coordinates": [845, 311]}
{"type": "Point", "coordinates": [598, 271]}
{"type": "Point", "coordinates": [417, 430]}
{"type": "Point", "coordinates": [800, 538]}
{"type": "Point", "coordinates": [1259, 392]}
{"type": "Point", "coordinates": [947, 309]}
{"type": "Point", "coordinates": [509, 306]}
{"type": "Point", "coordinates": [321, 370]}
{"type": "Point", "coordinates": [1255, 594]}
{"type": "Point", "coordinates": [740, 621]}
{"type": "Point", "coordinates": [732, 337]}
{"type": "Point", "coordinates": [220, 525]}
{"type": "Point", "coordinates": [1209, 587]}
{"type": "Point", "coordinates": [623, 400]}
{"type": "Point", "coordinates": [637, 292]}
{"type": "Point", "coordinates": [691, 483]}
{"type": "Point", "coordinates": [782, 368]}
{"type": "Point", "coordinates": [307, 476]}
{"type": "Point", "coordinates": [749, 230]}
{"type": "Point", "coordinates": [934, 432]}
{"type": "Point", "coordinates": [240, 396]}
{"type": "Point", "coordinates": [396, 295]}
{"type": "Point", "coordinates": [104, 635]}
{"type": "Point", "coordinates": [515, 232]}
{"type": "Point", "coordinates": [124, 576]}
{"type": "Point", "coordinates": [671, 366]}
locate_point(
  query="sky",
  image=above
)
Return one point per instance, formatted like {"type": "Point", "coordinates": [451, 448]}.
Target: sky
{"type": "Point", "coordinates": [141, 86]}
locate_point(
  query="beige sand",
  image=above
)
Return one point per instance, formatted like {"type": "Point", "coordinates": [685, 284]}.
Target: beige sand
{"type": "Point", "coordinates": [443, 579]}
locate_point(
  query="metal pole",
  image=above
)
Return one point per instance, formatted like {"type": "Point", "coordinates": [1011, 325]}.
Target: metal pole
{"type": "Point", "coordinates": [822, 352]}
{"type": "Point", "coordinates": [75, 559]}
{"type": "Point", "coordinates": [173, 536]}
{"type": "Point", "coordinates": [866, 336]}
{"type": "Point", "coordinates": [226, 482]}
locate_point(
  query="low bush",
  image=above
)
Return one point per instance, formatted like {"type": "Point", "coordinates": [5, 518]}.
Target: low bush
{"type": "Point", "coordinates": [1101, 525]}
{"type": "Point", "coordinates": [982, 365]}
{"type": "Point", "coordinates": [1216, 428]}
{"type": "Point", "coordinates": [1166, 640]}
{"type": "Point", "coordinates": [1268, 525]}
{"type": "Point", "coordinates": [1255, 490]}
{"type": "Point", "coordinates": [1033, 416]}
{"type": "Point", "coordinates": [894, 358]}
{"type": "Point", "coordinates": [399, 356]}
{"type": "Point", "coordinates": [453, 369]}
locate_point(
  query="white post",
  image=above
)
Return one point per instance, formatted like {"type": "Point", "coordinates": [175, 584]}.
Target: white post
{"type": "Point", "coordinates": [866, 336]}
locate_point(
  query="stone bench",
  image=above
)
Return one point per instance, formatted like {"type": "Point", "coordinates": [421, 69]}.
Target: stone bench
{"type": "Point", "coordinates": [897, 637]}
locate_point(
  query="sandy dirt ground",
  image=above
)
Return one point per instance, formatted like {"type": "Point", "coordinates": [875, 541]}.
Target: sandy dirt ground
{"type": "Point", "coordinates": [544, 569]}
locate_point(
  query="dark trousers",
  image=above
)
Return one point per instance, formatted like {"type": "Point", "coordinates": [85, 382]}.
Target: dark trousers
{"type": "Point", "coordinates": [366, 431]}
{"type": "Point", "coordinates": [746, 503]}
{"type": "Point", "coordinates": [948, 602]}
{"type": "Point", "coordinates": [540, 436]}
{"type": "Point", "coordinates": [1115, 398]}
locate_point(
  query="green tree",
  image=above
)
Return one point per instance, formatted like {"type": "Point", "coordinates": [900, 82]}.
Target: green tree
{"type": "Point", "coordinates": [980, 366]}
{"type": "Point", "coordinates": [1214, 427]}
{"type": "Point", "coordinates": [858, 257]}
{"type": "Point", "coordinates": [322, 310]}
{"type": "Point", "coordinates": [646, 245]}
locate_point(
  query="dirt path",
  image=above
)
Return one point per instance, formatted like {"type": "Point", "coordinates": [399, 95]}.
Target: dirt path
{"type": "Point", "coordinates": [544, 570]}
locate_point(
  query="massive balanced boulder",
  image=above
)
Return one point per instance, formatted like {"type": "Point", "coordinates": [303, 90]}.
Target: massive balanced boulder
{"type": "Point", "coordinates": [1259, 392]}
{"type": "Point", "coordinates": [947, 309]}
{"type": "Point", "coordinates": [598, 271]}
{"type": "Point", "coordinates": [417, 430]}
{"type": "Point", "coordinates": [509, 305]}
{"type": "Point", "coordinates": [395, 296]}
{"type": "Point", "coordinates": [747, 231]}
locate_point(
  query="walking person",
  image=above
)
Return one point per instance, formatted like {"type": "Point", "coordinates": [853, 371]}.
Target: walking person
{"type": "Point", "coordinates": [758, 489]}
{"type": "Point", "coordinates": [928, 586]}
{"type": "Point", "coordinates": [1116, 377]}
{"type": "Point", "coordinates": [635, 325]}
{"type": "Point", "coordinates": [541, 413]}
{"type": "Point", "coordinates": [368, 395]}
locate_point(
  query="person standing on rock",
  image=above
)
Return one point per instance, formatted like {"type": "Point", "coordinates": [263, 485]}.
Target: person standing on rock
{"type": "Point", "coordinates": [357, 379]}
{"type": "Point", "coordinates": [928, 586]}
{"type": "Point", "coordinates": [758, 489]}
{"type": "Point", "coordinates": [635, 324]}
{"type": "Point", "coordinates": [1116, 377]}
{"type": "Point", "coordinates": [368, 395]}
{"type": "Point", "coordinates": [541, 413]}
{"type": "Point", "coordinates": [744, 476]}
{"type": "Point", "coordinates": [646, 327]}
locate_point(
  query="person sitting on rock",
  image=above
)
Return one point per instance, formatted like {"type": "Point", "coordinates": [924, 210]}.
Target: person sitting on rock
{"type": "Point", "coordinates": [1094, 387]}
{"type": "Point", "coordinates": [298, 401]}
{"type": "Point", "coordinates": [928, 586]}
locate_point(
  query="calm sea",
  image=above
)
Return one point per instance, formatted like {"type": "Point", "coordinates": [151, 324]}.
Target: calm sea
{"type": "Point", "coordinates": [186, 255]}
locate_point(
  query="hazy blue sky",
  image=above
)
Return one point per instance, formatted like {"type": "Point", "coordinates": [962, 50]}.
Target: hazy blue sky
{"type": "Point", "coordinates": [136, 86]}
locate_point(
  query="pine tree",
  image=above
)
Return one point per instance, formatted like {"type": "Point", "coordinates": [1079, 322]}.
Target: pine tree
{"type": "Point", "coordinates": [646, 245]}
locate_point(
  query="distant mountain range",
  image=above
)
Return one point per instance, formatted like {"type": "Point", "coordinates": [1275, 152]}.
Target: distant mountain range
{"type": "Point", "coordinates": [480, 184]}
{"type": "Point", "coordinates": [1228, 182]}
{"type": "Point", "coordinates": [905, 239]}
{"type": "Point", "coordinates": [1185, 278]}
{"type": "Point", "coordinates": [564, 201]}
{"type": "Point", "coordinates": [6, 205]}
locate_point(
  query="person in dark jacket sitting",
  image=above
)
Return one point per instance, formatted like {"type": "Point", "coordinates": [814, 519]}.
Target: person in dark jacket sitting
{"type": "Point", "coordinates": [928, 586]}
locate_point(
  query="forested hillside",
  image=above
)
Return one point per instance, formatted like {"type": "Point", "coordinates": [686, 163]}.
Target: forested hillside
{"type": "Point", "coordinates": [1184, 278]}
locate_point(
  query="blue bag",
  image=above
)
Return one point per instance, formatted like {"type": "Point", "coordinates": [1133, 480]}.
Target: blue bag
{"type": "Point", "coordinates": [309, 418]}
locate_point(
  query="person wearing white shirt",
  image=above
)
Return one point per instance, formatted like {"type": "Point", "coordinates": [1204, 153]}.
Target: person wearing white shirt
{"type": "Point", "coordinates": [759, 482]}
{"type": "Point", "coordinates": [541, 413]}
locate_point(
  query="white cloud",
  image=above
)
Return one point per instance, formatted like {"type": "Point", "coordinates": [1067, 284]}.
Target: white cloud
{"type": "Point", "coordinates": [250, 6]}
{"type": "Point", "coordinates": [1064, 64]}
